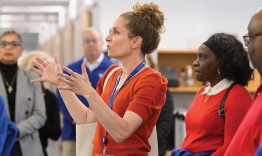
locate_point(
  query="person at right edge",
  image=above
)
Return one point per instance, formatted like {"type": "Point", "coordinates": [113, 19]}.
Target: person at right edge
{"type": "Point", "coordinates": [249, 134]}
{"type": "Point", "coordinates": [222, 61]}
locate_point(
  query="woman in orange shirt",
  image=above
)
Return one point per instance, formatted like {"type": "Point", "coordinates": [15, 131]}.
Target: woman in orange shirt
{"type": "Point", "coordinates": [128, 108]}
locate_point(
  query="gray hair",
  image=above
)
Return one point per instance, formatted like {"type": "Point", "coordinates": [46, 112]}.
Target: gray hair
{"type": "Point", "coordinates": [11, 32]}
{"type": "Point", "coordinates": [91, 29]}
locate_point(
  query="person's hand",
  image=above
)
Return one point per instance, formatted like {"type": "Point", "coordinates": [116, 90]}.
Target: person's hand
{"type": "Point", "coordinates": [48, 73]}
{"type": "Point", "coordinates": [76, 83]}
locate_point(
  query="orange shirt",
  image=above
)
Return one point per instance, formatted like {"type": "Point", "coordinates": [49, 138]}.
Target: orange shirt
{"type": "Point", "coordinates": [144, 94]}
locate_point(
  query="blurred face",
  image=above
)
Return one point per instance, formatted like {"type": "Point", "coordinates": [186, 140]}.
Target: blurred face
{"type": "Point", "coordinates": [118, 43]}
{"type": "Point", "coordinates": [206, 65]}
{"type": "Point", "coordinates": [10, 49]}
{"type": "Point", "coordinates": [255, 43]}
{"type": "Point", "coordinates": [92, 45]}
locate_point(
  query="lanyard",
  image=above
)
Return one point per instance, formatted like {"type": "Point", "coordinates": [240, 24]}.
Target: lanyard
{"type": "Point", "coordinates": [134, 72]}
{"type": "Point", "coordinates": [112, 97]}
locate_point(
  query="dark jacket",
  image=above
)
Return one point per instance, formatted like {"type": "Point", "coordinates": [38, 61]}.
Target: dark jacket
{"type": "Point", "coordinates": [164, 123]}
{"type": "Point", "coordinates": [51, 129]}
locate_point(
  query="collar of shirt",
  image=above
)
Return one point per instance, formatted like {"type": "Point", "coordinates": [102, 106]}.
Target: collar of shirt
{"type": "Point", "coordinates": [95, 64]}
{"type": "Point", "coordinates": [223, 84]}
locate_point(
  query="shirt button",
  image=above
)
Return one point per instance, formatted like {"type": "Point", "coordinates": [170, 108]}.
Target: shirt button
{"type": "Point", "coordinates": [258, 94]}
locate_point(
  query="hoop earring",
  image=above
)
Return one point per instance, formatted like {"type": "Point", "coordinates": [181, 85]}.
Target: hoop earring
{"type": "Point", "coordinates": [218, 71]}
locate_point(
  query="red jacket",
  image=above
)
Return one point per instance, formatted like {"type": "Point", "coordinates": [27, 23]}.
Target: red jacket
{"type": "Point", "coordinates": [206, 130]}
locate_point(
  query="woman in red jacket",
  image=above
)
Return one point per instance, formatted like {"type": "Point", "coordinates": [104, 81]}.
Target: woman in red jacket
{"type": "Point", "coordinates": [221, 61]}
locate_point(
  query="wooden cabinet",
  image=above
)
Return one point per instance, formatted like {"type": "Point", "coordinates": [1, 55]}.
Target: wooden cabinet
{"type": "Point", "coordinates": [181, 58]}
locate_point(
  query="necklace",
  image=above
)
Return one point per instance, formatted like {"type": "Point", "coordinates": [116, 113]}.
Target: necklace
{"type": "Point", "coordinates": [209, 90]}
{"type": "Point", "coordinates": [9, 87]}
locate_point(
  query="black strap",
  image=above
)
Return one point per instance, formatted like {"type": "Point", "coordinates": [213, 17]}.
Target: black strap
{"type": "Point", "coordinates": [221, 112]}
{"type": "Point", "coordinates": [200, 91]}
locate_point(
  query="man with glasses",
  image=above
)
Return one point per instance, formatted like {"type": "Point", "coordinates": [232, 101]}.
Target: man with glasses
{"type": "Point", "coordinates": [96, 64]}
{"type": "Point", "coordinates": [24, 100]}
{"type": "Point", "coordinates": [249, 134]}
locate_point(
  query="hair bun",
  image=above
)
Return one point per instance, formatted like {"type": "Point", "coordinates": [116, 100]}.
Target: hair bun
{"type": "Point", "coordinates": [151, 12]}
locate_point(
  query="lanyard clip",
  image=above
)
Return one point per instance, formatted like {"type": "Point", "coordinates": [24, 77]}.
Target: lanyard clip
{"type": "Point", "coordinates": [105, 140]}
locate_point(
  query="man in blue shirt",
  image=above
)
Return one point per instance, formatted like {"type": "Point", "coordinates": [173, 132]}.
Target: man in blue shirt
{"type": "Point", "coordinates": [96, 64]}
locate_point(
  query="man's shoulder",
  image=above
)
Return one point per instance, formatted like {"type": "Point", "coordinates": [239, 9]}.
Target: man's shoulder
{"type": "Point", "coordinates": [75, 63]}
{"type": "Point", "coordinates": [107, 61]}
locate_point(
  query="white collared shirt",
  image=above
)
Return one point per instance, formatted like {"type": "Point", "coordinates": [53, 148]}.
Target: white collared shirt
{"type": "Point", "coordinates": [223, 84]}
{"type": "Point", "coordinates": [95, 64]}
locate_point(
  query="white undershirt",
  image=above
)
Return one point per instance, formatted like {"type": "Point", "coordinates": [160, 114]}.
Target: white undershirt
{"type": "Point", "coordinates": [223, 84]}
{"type": "Point", "coordinates": [95, 64]}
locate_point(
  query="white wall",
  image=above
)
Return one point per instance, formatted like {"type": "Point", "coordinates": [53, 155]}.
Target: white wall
{"type": "Point", "coordinates": [189, 22]}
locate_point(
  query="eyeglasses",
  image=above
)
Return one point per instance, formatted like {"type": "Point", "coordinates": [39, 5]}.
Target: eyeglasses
{"type": "Point", "coordinates": [246, 38]}
{"type": "Point", "coordinates": [13, 44]}
{"type": "Point", "coordinates": [92, 40]}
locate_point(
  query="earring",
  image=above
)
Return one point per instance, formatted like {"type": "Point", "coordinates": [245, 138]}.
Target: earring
{"type": "Point", "coordinates": [218, 71]}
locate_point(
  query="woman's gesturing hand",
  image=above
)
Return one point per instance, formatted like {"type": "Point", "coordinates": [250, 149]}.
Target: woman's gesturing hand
{"type": "Point", "coordinates": [76, 83]}
{"type": "Point", "coordinates": [48, 73]}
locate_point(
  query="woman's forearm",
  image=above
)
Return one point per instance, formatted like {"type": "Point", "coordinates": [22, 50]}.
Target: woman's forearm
{"type": "Point", "coordinates": [119, 128]}
{"type": "Point", "coordinates": [76, 108]}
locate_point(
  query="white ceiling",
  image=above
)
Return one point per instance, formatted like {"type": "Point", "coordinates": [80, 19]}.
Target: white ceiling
{"type": "Point", "coordinates": [35, 2]}
{"type": "Point", "coordinates": [16, 13]}
{"type": "Point", "coordinates": [33, 18]}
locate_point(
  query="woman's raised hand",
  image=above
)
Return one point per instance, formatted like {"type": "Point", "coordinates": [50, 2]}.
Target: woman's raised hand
{"type": "Point", "coordinates": [76, 83]}
{"type": "Point", "coordinates": [48, 72]}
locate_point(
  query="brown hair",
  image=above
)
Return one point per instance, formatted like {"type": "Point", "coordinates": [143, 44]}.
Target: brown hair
{"type": "Point", "coordinates": [152, 62]}
{"type": "Point", "coordinates": [146, 21]}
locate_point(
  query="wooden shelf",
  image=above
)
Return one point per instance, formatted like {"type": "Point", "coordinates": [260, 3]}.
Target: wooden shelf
{"type": "Point", "coordinates": [179, 59]}
{"type": "Point", "coordinates": [189, 51]}
{"type": "Point", "coordinates": [168, 152]}
{"type": "Point", "coordinates": [184, 89]}
{"type": "Point", "coordinates": [253, 84]}
{"type": "Point", "coordinates": [195, 89]}
{"type": "Point", "coordinates": [251, 90]}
